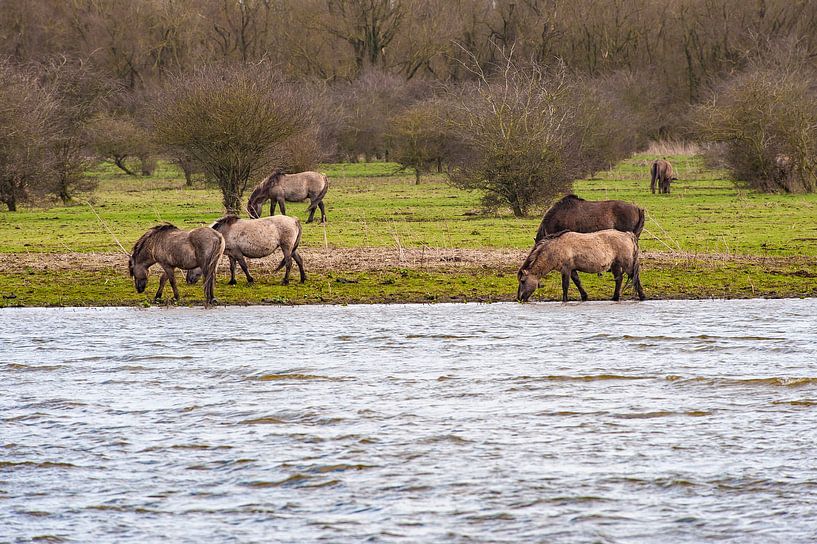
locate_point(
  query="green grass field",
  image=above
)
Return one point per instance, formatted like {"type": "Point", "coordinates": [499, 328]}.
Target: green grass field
{"type": "Point", "coordinates": [374, 205]}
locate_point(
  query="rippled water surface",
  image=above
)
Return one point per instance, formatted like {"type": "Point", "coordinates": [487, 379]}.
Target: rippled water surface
{"type": "Point", "coordinates": [654, 422]}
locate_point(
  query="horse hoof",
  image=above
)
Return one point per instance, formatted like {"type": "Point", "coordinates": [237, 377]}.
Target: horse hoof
{"type": "Point", "coordinates": [285, 282]}
{"type": "Point", "coordinates": [231, 282]}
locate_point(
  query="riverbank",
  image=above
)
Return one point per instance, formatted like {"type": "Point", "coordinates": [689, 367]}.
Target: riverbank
{"type": "Point", "coordinates": [394, 275]}
{"type": "Point", "coordinates": [391, 240]}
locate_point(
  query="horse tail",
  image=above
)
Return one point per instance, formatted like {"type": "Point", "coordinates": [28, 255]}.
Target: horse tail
{"type": "Point", "coordinates": [653, 171]}
{"type": "Point", "coordinates": [294, 246]}
{"type": "Point", "coordinates": [211, 264]}
{"type": "Point", "coordinates": [635, 277]}
{"type": "Point", "coordinates": [639, 224]}
{"type": "Point", "coordinates": [321, 194]}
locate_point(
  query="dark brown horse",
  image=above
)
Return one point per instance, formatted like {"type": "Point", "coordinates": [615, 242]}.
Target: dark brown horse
{"type": "Point", "coordinates": [579, 215]}
{"type": "Point", "coordinates": [573, 252]}
{"type": "Point", "coordinates": [173, 248]}
{"type": "Point", "coordinates": [661, 171]}
{"type": "Point", "coordinates": [279, 188]}
{"type": "Point", "coordinates": [256, 238]}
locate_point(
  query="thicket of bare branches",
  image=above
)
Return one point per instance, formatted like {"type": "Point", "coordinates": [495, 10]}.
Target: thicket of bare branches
{"type": "Point", "coordinates": [234, 121]}
{"type": "Point", "coordinates": [765, 121]}
{"type": "Point", "coordinates": [527, 133]}
{"type": "Point", "coordinates": [26, 111]}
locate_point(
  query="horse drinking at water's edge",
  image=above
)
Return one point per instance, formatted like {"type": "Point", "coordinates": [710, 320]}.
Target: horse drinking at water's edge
{"type": "Point", "coordinates": [174, 248]}
{"type": "Point", "coordinates": [279, 187]}
{"type": "Point", "coordinates": [255, 238]}
{"type": "Point", "coordinates": [580, 215]}
{"type": "Point", "coordinates": [573, 252]}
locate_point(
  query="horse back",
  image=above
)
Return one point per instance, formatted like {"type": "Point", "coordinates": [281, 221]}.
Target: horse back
{"type": "Point", "coordinates": [302, 185]}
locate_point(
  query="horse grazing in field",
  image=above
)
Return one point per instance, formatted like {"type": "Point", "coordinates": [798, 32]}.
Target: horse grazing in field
{"type": "Point", "coordinates": [279, 187]}
{"type": "Point", "coordinates": [579, 215]}
{"type": "Point", "coordinates": [174, 248]}
{"type": "Point", "coordinates": [661, 171]}
{"type": "Point", "coordinates": [255, 238]}
{"type": "Point", "coordinates": [573, 252]}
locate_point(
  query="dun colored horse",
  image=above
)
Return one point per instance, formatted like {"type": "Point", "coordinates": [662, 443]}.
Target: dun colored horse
{"type": "Point", "coordinates": [174, 248]}
{"type": "Point", "coordinates": [579, 215]}
{"type": "Point", "coordinates": [255, 238]}
{"type": "Point", "coordinates": [573, 252]}
{"type": "Point", "coordinates": [661, 171]}
{"type": "Point", "coordinates": [279, 187]}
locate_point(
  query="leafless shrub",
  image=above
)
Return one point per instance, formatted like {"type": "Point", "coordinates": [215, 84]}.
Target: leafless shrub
{"type": "Point", "coordinates": [418, 138]}
{"type": "Point", "coordinates": [766, 121]}
{"type": "Point", "coordinates": [527, 133]}
{"type": "Point", "coordinates": [233, 120]}
{"type": "Point", "coordinates": [27, 111]}
{"type": "Point", "coordinates": [116, 138]}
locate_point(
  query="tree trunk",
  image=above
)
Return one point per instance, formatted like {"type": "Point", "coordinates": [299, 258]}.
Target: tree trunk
{"type": "Point", "coordinates": [517, 210]}
{"type": "Point", "coordinates": [11, 202]}
{"type": "Point", "coordinates": [120, 162]}
{"type": "Point", "coordinates": [232, 196]}
{"type": "Point", "coordinates": [416, 176]}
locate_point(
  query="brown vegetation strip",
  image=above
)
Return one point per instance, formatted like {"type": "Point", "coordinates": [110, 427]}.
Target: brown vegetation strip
{"type": "Point", "coordinates": [374, 259]}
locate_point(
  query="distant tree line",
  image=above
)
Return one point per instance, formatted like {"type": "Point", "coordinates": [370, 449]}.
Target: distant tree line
{"type": "Point", "coordinates": [514, 98]}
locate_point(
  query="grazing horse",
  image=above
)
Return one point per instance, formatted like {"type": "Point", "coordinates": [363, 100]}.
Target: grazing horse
{"type": "Point", "coordinates": [174, 248]}
{"type": "Point", "coordinates": [255, 238]}
{"type": "Point", "coordinates": [580, 215]}
{"type": "Point", "coordinates": [573, 252]}
{"type": "Point", "coordinates": [661, 171]}
{"type": "Point", "coordinates": [279, 187]}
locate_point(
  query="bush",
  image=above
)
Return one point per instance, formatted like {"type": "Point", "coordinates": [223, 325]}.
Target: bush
{"type": "Point", "coordinates": [233, 120]}
{"type": "Point", "coordinates": [117, 138]}
{"type": "Point", "coordinates": [765, 121]}
{"type": "Point", "coordinates": [27, 113]}
{"type": "Point", "coordinates": [526, 135]}
{"type": "Point", "coordinates": [418, 139]}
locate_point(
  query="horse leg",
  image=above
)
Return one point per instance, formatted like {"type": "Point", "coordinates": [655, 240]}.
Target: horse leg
{"type": "Point", "coordinates": [272, 203]}
{"type": "Point", "coordinates": [162, 280]}
{"type": "Point", "coordinates": [172, 277]}
{"type": "Point", "coordinates": [636, 278]}
{"type": "Point", "coordinates": [243, 263]}
{"type": "Point", "coordinates": [288, 264]}
{"type": "Point", "coordinates": [618, 274]}
{"type": "Point", "coordinates": [232, 270]}
{"type": "Point", "coordinates": [323, 211]}
{"type": "Point", "coordinates": [282, 206]}
{"type": "Point", "coordinates": [300, 263]}
{"type": "Point", "coordinates": [574, 275]}
{"type": "Point", "coordinates": [312, 208]}
{"type": "Point", "coordinates": [565, 285]}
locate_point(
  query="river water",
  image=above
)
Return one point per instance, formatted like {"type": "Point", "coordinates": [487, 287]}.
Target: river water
{"type": "Point", "coordinates": [662, 421]}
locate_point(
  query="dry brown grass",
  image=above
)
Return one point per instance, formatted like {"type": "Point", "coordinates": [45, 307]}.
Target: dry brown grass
{"type": "Point", "coordinates": [664, 148]}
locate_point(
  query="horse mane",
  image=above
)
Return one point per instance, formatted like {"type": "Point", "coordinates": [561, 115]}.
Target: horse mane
{"type": "Point", "coordinates": [538, 247]}
{"type": "Point", "coordinates": [141, 242]}
{"type": "Point", "coordinates": [224, 221]}
{"type": "Point", "coordinates": [275, 177]}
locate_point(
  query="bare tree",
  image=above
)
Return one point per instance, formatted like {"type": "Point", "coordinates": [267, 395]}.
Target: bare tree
{"type": "Point", "coordinates": [116, 138]}
{"type": "Point", "coordinates": [418, 137]}
{"type": "Point", "coordinates": [527, 133]}
{"type": "Point", "coordinates": [26, 114]}
{"type": "Point", "coordinates": [232, 120]}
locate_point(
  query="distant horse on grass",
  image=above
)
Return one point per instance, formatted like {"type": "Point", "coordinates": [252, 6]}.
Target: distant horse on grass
{"type": "Point", "coordinates": [573, 252]}
{"type": "Point", "coordinates": [174, 248]}
{"type": "Point", "coordinates": [661, 171]}
{"type": "Point", "coordinates": [579, 215]}
{"type": "Point", "coordinates": [255, 238]}
{"type": "Point", "coordinates": [279, 187]}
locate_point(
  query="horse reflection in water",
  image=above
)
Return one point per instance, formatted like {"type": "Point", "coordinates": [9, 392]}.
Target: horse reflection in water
{"type": "Point", "coordinates": [573, 252]}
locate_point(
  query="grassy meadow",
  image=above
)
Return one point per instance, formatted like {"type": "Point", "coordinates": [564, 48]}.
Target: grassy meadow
{"type": "Point", "coordinates": [707, 239]}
